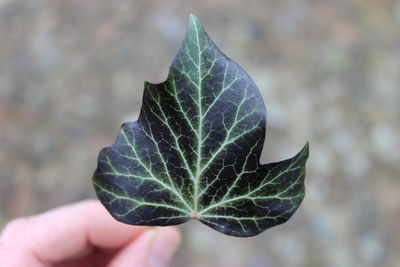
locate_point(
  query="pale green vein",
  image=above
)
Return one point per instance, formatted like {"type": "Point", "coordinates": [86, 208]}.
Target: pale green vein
{"type": "Point", "coordinates": [175, 95]}
{"type": "Point", "coordinates": [171, 182]}
{"type": "Point", "coordinates": [200, 122]}
{"type": "Point", "coordinates": [137, 202]}
{"type": "Point", "coordinates": [149, 171]}
{"type": "Point", "coordinates": [239, 176]}
{"type": "Point", "coordinates": [164, 120]}
{"type": "Point", "coordinates": [223, 90]}
{"type": "Point", "coordinates": [249, 195]}
{"type": "Point", "coordinates": [228, 139]}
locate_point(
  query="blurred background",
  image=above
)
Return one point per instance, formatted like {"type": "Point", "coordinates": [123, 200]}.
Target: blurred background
{"type": "Point", "coordinates": [72, 71]}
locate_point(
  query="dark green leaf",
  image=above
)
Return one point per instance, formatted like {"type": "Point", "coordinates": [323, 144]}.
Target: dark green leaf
{"type": "Point", "coordinates": [194, 151]}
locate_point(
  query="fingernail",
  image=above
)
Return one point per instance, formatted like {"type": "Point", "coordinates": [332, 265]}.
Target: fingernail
{"type": "Point", "coordinates": [161, 250]}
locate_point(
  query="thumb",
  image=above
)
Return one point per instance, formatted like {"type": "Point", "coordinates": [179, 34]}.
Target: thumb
{"type": "Point", "coordinates": [154, 248]}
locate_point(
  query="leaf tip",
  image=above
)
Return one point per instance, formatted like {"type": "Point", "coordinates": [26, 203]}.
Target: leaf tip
{"type": "Point", "coordinates": [303, 153]}
{"type": "Point", "coordinates": [193, 17]}
{"type": "Point", "coordinates": [306, 148]}
{"type": "Point", "coordinates": [194, 22]}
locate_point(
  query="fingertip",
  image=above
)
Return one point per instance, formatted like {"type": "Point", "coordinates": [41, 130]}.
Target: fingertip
{"type": "Point", "coordinates": [135, 253]}
{"type": "Point", "coordinates": [170, 235]}
{"type": "Point", "coordinates": [13, 230]}
{"type": "Point", "coordinates": [163, 247]}
{"type": "Point", "coordinates": [67, 231]}
{"type": "Point", "coordinates": [154, 248]}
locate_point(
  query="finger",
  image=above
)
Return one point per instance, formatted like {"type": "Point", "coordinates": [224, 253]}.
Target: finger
{"type": "Point", "coordinates": [154, 248]}
{"type": "Point", "coordinates": [13, 257]}
{"type": "Point", "coordinates": [68, 232]}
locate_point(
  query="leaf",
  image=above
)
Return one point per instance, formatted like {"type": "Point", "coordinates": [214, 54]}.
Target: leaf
{"type": "Point", "coordinates": [194, 151]}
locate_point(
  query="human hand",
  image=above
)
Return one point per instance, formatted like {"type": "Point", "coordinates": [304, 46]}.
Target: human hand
{"type": "Point", "coordinates": [84, 234]}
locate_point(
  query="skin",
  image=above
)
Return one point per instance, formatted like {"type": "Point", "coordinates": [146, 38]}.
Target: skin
{"type": "Point", "coordinates": [84, 234]}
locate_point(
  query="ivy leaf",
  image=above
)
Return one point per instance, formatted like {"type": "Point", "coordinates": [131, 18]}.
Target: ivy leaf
{"type": "Point", "coordinates": [194, 151]}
